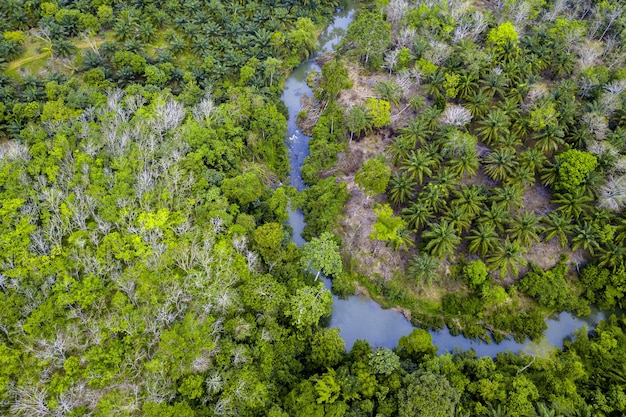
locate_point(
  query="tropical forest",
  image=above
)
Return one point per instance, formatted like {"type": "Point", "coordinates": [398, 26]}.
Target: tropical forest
{"type": "Point", "coordinates": [208, 207]}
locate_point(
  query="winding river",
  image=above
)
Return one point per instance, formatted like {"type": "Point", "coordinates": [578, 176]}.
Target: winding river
{"type": "Point", "coordinates": [359, 317]}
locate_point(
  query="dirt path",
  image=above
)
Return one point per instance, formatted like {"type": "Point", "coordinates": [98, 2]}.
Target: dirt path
{"type": "Point", "coordinates": [20, 62]}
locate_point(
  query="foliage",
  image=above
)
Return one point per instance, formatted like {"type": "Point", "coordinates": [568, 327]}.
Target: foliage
{"type": "Point", "coordinates": [380, 111]}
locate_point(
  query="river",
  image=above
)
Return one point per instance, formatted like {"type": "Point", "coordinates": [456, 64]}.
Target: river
{"type": "Point", "coordinates": [359, 317]}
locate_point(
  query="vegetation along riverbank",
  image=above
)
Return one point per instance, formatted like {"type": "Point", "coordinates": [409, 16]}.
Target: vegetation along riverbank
{"type": "Point", "coordinates": [466, 163]}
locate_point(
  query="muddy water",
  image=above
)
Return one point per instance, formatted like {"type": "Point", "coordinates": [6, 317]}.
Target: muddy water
{"type": "Point", "coordinates": [359, 317]}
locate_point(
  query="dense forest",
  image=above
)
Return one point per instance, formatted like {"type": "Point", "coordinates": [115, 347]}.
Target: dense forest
{"type": "Point", "coordinates": [146, 262]}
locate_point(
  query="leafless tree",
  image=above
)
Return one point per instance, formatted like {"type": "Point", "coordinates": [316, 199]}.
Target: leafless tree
{"type": "Point", "coordinates": [613, 194]}
{"type": "Point", "coordinates": [456, 115]}
{"type": "Point", "coordinates": [203, 111]}
{"type": "Point", "coordinates": [30, 400]}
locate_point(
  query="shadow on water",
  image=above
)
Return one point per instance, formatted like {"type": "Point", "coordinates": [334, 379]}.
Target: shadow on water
{"type": "Point", "coordinates": [360, 317]}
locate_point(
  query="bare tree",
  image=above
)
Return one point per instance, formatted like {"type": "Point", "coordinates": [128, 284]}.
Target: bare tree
{"type": "Point", "coordinates": [613, 194]}
{"type": "Point", "coordinates": [456, 115]}
{"type": "Point", "coordinates": [30, 400]}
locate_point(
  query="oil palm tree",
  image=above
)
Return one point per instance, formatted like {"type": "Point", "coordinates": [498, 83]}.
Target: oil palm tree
{"type": "Point", "coordinates": [509, 196]}
{"type": "Point", "coordinates": [494, 125]}
{"type": "Point", "coordinates": [573, 203]}
{"type": "Point", "coordinates": [494, 83]}
{"type": "Point", "coordinates": [417, 214]}
{"type": "Point", "coordinates": [401, 188]}
{"type": "Point", "coordinates": [483, 239]}
{"type": "Point", "coordinates": [532, 159]}
{"type": "Point", "coordinates": [466, 163]}
{"type": "Point", "coordinates": [446, 179]}
{"type": "Point", "coordinates": [557, 224]}
{"type": "Point", "coordinates": [478, 103]}
{"type": "Point", "coordinates": [435, 196]}
{"type": "Point", "coordinates": [422, 267]}
{"type": "Point", "coordinates": [507, 258]}
{"type": "Point", "coordinates": [470, 198]}
{"type": "Point", "coordinates": [400, 149]}
{"type": "Point", "coordinates": [416, 129]}
{"type": "Point", "coordinates": [550, 139]}
{"type": "Point", "coordinates": [468, 85]}
{"type": "Point", "coordinates": [458, 218]}
{"type": "Point", "coordinates": [497, 215]}
{"type": "Point", "coordinates": [612, 255]}
{"type": "Point", "coordinates": [525, 228]}
{"type": "Point", "coordinates": [388, 90]}
{"type": "Point", "coordinates": [523, 178]}
{"type": "Point", "coordinates": [587, 237]}
{"type": "Point", "coordinates": [500, 164]}
{"type": "Point", "coordinates": [441, 239]}
{"type": "Point", "coordinates": [419, 164]}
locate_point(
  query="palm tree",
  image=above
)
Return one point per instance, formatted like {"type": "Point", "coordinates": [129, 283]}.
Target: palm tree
{"type": "Point", "coordinates": [388, 90]}
{"type": "Point", "coordinates": [483, 239]}
{"type": "Point", "coordinates": [478, 103]}
{"type": "Point", "coordinates": [400, 148]}
{"type": "Point", "coordinates": [509, 196]}
{"type": "Point", "coordinates": [507, 258]}
{"type": "Point", "coordinates": [436, 81]}
{"type": "Point", "coordinates": [471, 199]}
{"type": "Point", "coordinates": [441, 239]}
{"type": "Point", "coordinates": [465, 163]}
{"type": "Point", "coordinates": [458, 218]}
{"type": "Point", "coordinates": [550, 139]}
{"type": "Point", "coordinates": [557, 224]}
{"type": "Point", "coordinates": [500, 164]}
{"type": "Point", "coordinates": [573, 203]}
{"type": "Point", "coordinates": [494, 82]}
{"type": "Point", "coordinates": [419, 164]}
{"type": "Point", "coordinates": [435, 196]}
{"type": "Point", "coordinates": [492, 126]}
{"type": "Point", "coordinates": [522, 179]}
{"type": "Point", "coordinates": [497, 215]}
{"type": "Point", "coordinates": [532, 159]}
{"type": "Point", "coordinates": [401, 188]}
{"type": "Point", "coordinates": [497, 412]}
{"type": "Point", "coordinates": [613, 256]}
{"type": "Point", "coordinates": [446, 179]}
{"type": "Point", "coordinates": [525, 228]}
{"type": "Point", "coordinates": [416, 129]}
{"type": "Point", "coordinates": [422, 267]}
{"type": "Point", "coordinates": [468, 85]}
{"type": "Point", "coordinates": [417, 214]}
{"type": "Point", "coordinates": [586, 237]}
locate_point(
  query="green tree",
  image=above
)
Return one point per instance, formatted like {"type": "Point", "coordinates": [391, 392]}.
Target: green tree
{"type": "Point", "coordinates": [308, 305]}
{"type": "Point", "coordinates": [574, 167]}
{"type": "Point", "coordinates": [334, 79]}
{"type": "Point", "coordinates": [427, 395]}
{"type": "Point", "coordinates": [387, 227]}
{"type": "Point", "coordinates": [322, 255]}
{"type": "Point", "coordinates": [373, 176]}
{"type": "Point", "coordinates": [358, 121]}
{"type": "Point", "coordinates": [327, 348]}
{"type": "Point", "coordinates": [243, 189]}
{"type": "Point", "coordinates": [371, 35]}
{"type": "Point", "coordinates": [380, 111]}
